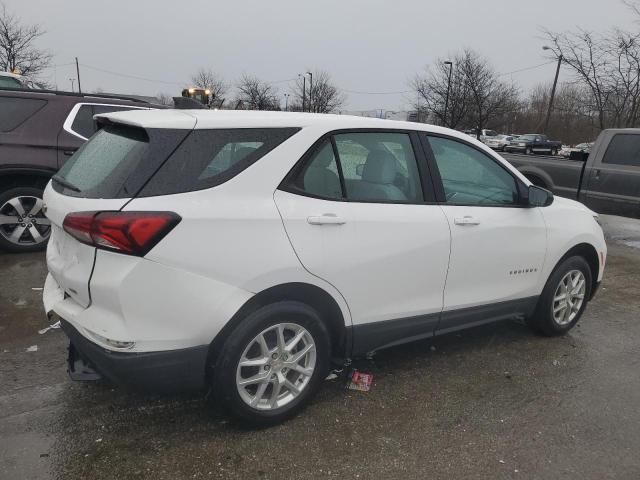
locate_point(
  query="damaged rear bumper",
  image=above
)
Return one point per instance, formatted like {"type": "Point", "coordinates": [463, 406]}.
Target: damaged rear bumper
{"type": "Point", "coordinates": [164, 371]}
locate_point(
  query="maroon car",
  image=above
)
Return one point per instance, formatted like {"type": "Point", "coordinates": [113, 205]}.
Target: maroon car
{"type": "Point", "coordinates": [39, 131]}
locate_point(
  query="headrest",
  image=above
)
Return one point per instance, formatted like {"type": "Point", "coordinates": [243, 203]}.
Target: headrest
{"type": "Point", "coordinates": [379, 168]}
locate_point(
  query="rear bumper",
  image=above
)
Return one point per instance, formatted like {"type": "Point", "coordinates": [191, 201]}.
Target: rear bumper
{"type": "Point", "coordinates": [164, 371]}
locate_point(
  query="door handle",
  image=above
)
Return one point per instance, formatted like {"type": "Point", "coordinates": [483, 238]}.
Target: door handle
{"type": "Point", "coordinates": [68, 153]}
{"type": "Point", "coordinates": [466, 220]}
{"type": "Point", "coordinates": [326, 219]}
{"type": "Point", "coordinates": [596, 174]}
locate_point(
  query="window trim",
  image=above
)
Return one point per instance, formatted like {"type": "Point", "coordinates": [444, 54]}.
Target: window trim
{"type": "Point", "coordinates": [44, 104]}
{"type": "Point", "coordinates": [424, 171]}
{"type": "Point", "coordinates": [439, 186]}
{"type": "Point", "coordinates": [68, 122]}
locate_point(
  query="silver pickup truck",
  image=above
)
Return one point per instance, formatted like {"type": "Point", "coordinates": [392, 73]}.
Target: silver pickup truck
{"type": "Point", "coordinates": [607, 180]}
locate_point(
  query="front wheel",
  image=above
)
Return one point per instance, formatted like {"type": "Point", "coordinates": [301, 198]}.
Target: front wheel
{"type": "Point", "coordinates": [564, 298]}
{"type": "Point", "coordinates": [272, 363]}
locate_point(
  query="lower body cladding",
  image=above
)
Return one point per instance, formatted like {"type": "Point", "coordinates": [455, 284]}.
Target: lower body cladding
{"type": "Point", "coordinates": [173, 370]}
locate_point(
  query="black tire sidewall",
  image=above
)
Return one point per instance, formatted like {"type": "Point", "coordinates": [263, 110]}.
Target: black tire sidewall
{"type": "Point", "coordinates": [6, 245]}
{"type": "Point", "coordinates": [543, 319]}
{"type": "Point", "coordinates": [224, 372]}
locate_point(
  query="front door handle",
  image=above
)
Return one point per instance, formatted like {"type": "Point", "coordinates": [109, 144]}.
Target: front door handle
{"type": "Point", "coordinates": [467, 220]}
{"type": "Point", "coordinates": [68, 153]}
{"type": "Point", "coordinates": [326, 219]}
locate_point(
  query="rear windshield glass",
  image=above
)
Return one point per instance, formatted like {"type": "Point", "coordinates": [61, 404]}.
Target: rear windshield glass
{"type": "Point", "coordinates": [116, 162]}
{"type": "Point", "coordinates": [14, 111]}
{"type": "Point", "coordinates": [210, 157]}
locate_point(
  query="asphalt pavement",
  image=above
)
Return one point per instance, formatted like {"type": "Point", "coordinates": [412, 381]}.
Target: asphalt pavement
{"type": "Point", "coordinates": [495, 402]}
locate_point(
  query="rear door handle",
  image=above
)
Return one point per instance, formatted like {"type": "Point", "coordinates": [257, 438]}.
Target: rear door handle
{"type": "Point", "coordinates": [466, 220]}
{"type": "Point", "coordinates": [68, 153]}
{"type": "Point", "coordinates": [326, 219]}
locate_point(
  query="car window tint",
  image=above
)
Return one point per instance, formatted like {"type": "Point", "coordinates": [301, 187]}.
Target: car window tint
{"type": "Point", "coordinates": [471, 177]}
{"type": "Point", "coordinates": [379, 167]}
{"type": "Point", "coordinates": [624, 149]}
{"type": "Point", "coordinates": [210, 157]}
{"type": "Point", "coordinates": [83, 121]}
{"type": "Point", "coordinates": [319, 174]}
{"type": "Point", "coordinates": [15, 111]}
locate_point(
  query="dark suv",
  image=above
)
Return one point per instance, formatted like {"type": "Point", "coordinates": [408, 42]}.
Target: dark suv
{"type": "Point", "coordinates": [39, 131]}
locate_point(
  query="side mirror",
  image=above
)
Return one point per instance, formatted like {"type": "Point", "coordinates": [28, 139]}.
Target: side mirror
{"type": "Point", "coordinates": [539, 197]}
{"type": "Point", "coordinates": [359, 169]}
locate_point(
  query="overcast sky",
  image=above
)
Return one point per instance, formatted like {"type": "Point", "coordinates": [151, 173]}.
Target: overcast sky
{"type": "Point", "coordinates": [366, 45]}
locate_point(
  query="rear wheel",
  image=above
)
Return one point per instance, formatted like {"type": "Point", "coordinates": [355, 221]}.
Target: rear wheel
{"type": "Point", "coordinates": [272, 363]}
{"type": "Point", "coordinates": [564, 298]}
{"type": "Point", "coordinates": [23, 225]}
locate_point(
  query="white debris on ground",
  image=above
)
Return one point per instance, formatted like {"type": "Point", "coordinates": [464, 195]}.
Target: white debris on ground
{"type": "Point", "coordinates": [37, 289]}
{"type": "Point", "coordinates": [54, 326]}
{"type": "Point", "coordinates": [331, 376]}
{"type": "Point", "coordinates": [32, 348]}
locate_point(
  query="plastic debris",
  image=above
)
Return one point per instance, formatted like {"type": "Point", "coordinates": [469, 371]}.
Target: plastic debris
{"type": "Point", "coordinates": [37, 289]}
{"type": "Point", "coordinates": [50, 327]}
{"type": "Point", "coordinates": [501, 461]}
{"type": "Point", "coordinates": [432, 348]}
{"type": "Point", "coordinates": [32, 348]}
{"type": "Point", "coordinates": [360, 381]}
{"type": "Point", "coordinates": [556, 363]}
{"type": "Point", "coordinates": [331, 376]}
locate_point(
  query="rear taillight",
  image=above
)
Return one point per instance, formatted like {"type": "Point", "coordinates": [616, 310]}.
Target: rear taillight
{"type": "Point", "coordinates": [133, 233]}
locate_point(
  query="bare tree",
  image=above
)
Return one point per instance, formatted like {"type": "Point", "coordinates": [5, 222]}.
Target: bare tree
{"type": "Point", "coordinates": [208, 79]}
{"type": "Point", "coordinates": [254, 94]}
{"type": "Point", "coordinates": [17, 46]}
{"type": "Point", "coordinates": [432, 88]}
{"type": "Point", "coordinates": [165, 99]}
{"type": "Point", "coordinates": [321, 96]}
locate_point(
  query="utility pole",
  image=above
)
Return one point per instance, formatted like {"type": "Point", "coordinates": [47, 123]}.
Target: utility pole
{"type": "Point", "coordinates": [311, 106]}
{"type": "Point", "coordinates": [304, 90]}
{"type": "Point", "coordinates": [446, 102]}
{"type": "Point", "coordinates": [553, 92]}
{"type": "Point", "coordinates": [78, 76]}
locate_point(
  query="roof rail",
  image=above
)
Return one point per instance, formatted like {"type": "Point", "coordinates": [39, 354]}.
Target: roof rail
{"type": "Point", "coordinates": [76, 94]}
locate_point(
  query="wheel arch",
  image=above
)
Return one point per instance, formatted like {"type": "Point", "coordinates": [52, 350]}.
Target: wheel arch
{"type": "Point", "coordinates": [24, 177]}
{"type": "Point", "coordinates": [537, 177]}
{"type": "Point", "coordinates": [306, 293]}
{"type": "Point", "coordinates": [590, 254]}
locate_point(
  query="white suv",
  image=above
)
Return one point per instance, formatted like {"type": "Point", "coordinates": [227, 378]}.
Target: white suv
{"type": "Point", "coordinates": [247, 251]}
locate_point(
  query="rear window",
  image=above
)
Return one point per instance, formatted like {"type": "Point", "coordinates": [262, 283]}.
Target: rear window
{"type": "Point", "coordinates": [117, 161]}
{"type": "Point", "coordinates": [9, 82]}
{"type": "Point", "coordinates": [210, 157]}
{"type": "Point", "coordinates": [15, 111]}
{"type": "Point", "coordinates": [624, 149]}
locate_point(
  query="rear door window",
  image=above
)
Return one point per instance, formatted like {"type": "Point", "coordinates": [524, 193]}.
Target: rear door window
{"type": "Point", "coordinates": [624, 149]}
{"type": "Point", "coordinates": [15, 111]}
{"type": "Point", "coordinates": [210, 157]}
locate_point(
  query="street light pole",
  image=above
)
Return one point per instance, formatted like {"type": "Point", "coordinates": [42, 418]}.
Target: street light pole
{"type": "Point", "coordinates": [72, 80]}
{"type": "Point", "coordinates": [286, 102]}
{"type": "Point", "coordinates": [304, 89]}
{"type": "Point", "coordinates": [310, 91]}
{"type": "Point", "coordinates": [446, 102]}
{"type": "Point", "coordinates": [553, 92]}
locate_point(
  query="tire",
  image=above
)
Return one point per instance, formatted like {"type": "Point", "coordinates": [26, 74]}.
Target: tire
{"type": "Point", "coordinates": [243, 343]}
{"type": "Point", "coordinates": [33, 232]}
{"type": "Point", "coordinates": [554, 152]}
{"type": "Point", "coordinates": [528, 151]}
{"type": "Point", "coordinates": [546, 320]}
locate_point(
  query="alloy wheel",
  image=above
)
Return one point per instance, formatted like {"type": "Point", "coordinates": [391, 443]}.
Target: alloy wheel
{"type": "Point", "coordinates": [276, 366]}
{"type": "Point", "coordinates": [569, 297]}
{"type": "Point", "coordinates": [22, 221]}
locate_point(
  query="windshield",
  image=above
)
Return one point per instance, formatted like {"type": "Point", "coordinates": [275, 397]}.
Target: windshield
{"type": "Point", "coordinates": [10, 82]}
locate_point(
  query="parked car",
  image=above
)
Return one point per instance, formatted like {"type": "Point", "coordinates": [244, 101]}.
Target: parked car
{"type": "Point", "coordinates": [244, 251]}
{"type": "Point", "coordinates": [580, 148]}
{"type": "Point", "coordinates": [13, 81]}
{"type": "Point", "coordinates": [534, 143]}
{"type": "Point", "coordinates": [607, 180]}
{"type": "Point", "coordinates": [39, 131]}
{"type": "Point", "coordinates": [498, 142]}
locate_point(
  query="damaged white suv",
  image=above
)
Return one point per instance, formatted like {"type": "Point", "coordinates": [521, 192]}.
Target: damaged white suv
{"type": "Point", "coordinates": [247, 251]}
